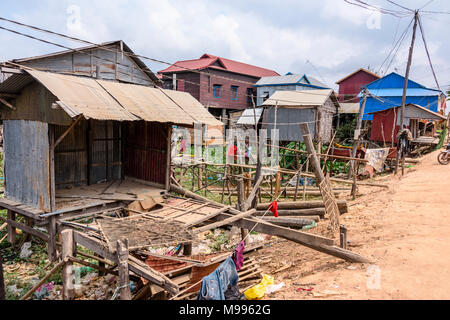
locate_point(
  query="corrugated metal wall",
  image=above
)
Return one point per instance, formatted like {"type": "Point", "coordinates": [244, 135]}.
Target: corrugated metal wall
{"type": "Point", "coordinates": [26, 149]}
{"type": "Point", "coordinates": [145, 151]}
{"type": "Point", "coordinates": [106, 151]}
{"type": "Point", "coordinates": [71, 156]}
{"type": "Point", "coordinates": [288, 120]}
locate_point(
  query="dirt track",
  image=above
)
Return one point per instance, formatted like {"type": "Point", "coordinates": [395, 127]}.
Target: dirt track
{"type": "Point", "coordinates": [405, 230]}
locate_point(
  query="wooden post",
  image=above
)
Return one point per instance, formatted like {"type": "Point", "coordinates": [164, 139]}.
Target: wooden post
{"type": "Point", "coordinates": [67, 272]}
{"type": "Point", "coordinates": [187, 249]}
{"type": "Point", "coordinates": [11, 229]}
{"type": "Point", "coordinates": [2, 282]}
{"type": "Point", "coordinates": [313, 157]}
{"type": "Point", "coordinates": [206, 178]}
{"type": "Point", "coordinates": [168, 157]}
{"type": "Point", "coordinates": [242, 207]}
{"type": "Point", "coordinates": [277, 184]}
{"type": "Point", "coordinates": [358, 130]}
{"type": "Point", "coordinates": [343, 236]}
{"type": "Point", "coordinates": [122, 264]}
{"type": "Point", "coordinates": [51, 246]}
{"type": "Point", "coordinates": [305, 179]}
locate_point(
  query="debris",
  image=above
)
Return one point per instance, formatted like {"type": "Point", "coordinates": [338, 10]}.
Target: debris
{"type": "Point", "coordinates": [257, 292]}
{"type": "Point", "coordinates": [300, 289]}
{"type": "Point", "coordinates": [351, 268]}
{"type": "Point", "coordinates": [274, 287]}
{"type": "Point", "coordinates": [44, 290]}
{"type": "Point", "coordinates": [25, 251]}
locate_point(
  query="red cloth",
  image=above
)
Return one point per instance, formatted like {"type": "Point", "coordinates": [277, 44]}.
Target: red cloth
{"type": "Point", "coordinates": [274, 208]}
{"type": "Point", "coordinates": [232, 150]}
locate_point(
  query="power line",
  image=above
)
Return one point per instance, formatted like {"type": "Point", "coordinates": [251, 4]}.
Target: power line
{"type": "Point", "coordinates": [428, 53]}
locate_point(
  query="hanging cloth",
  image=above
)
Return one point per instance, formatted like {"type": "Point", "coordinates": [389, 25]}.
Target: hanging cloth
{"type": "Point", "coordinates": [238, 255]}
{"type": "Point", "coordinates": [274, 208]}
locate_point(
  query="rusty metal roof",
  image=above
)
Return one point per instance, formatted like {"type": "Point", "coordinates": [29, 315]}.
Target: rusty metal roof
{"type": "Point", "coordinates": [108, 100]}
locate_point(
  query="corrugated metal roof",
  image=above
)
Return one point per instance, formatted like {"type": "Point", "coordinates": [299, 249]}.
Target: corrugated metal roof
{"type": "Point", "coordinates": [299, 98]}
{"type": "Point", "coordinates": [347, 107]}
{"type": "Point", "coordinates": [290, 79]}
{"type": "Point", "coordinates": [433, 115]}
{"type": "Point", "coordinates": [15, 83]}
{"type": "Point", "coordinates": [79, 95]}
{"type": "Point", "coordinates": [108, 100]}
{"type": "Point", "coordinates": [153, 104]}
{"type": "Point", "coordinates": [248, 116]}
{"type": "Point", "coordinates": [398, 92]}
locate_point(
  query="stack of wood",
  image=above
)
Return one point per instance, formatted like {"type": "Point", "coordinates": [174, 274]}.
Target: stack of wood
{"type": "Point", "coordinates": [297, 214]}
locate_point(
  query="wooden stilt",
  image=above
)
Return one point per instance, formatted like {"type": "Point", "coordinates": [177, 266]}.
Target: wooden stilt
{"type": "Point", "coordinates": [242, 207]}
{"type": "Point", "coordinates": [51, 246]}
{"type": "Point", "coordinates": [122, 264]}
{"type": "Point", "coordinates": [12, 233]}
{"type": "Point", "coordinates": [67, 272]}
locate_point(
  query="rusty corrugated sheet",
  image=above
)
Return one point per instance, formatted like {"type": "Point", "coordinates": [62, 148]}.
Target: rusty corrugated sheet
{"type": "Point", "coordinates": [153, 104]}
{"type": "Point", "coordinates": [84, 96]}
{"type": "Point", "coordinates": [108, 100]}
{"type": "Point", "coordinates": [146, 151]}
{"type": "Point", "coordinates": [26, 167]}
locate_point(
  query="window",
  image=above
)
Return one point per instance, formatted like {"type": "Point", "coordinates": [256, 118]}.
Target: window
{"type": "Point", "coordinates": [234, 92]}
{"type": "Point", "coordinates": [216, 90]}
{"type": "Point", "coordinates": [265, 95]}
{"type": "Point", "coordinates": [250, 94]}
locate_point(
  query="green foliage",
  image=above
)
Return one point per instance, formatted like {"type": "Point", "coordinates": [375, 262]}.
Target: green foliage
{"type": "Point", "coordinates": [346, 128]}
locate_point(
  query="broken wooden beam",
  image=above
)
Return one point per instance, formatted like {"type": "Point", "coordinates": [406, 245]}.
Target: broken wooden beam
{"type": "Point", "coordinates": [295, 212]}
{"type": "Point", "coordinates": [225, 221]}
{"type": "Point", "coordinates": [288, 205]}
{"type": "Point", "coordinates": [312, 241]}
{"type": "Point", "coordinates": [292, 222]}
{"type": "Point", "coordinates": [45, 278]}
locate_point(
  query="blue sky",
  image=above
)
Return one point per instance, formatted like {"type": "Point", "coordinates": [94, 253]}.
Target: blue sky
{"type": "Point", "coordinates": [324, 38]}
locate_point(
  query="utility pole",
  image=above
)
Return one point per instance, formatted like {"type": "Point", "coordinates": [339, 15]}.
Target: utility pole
{"type": "Point", "coordinates": [405, 87]}
{"type": "Point", "coordinates": [358, 131]}
{"type": "Point", "coordinates": [408, 67]}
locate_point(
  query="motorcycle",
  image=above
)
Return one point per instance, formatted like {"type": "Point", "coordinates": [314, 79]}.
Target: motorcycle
{"type": "Point", "coordinates": [444, 156]}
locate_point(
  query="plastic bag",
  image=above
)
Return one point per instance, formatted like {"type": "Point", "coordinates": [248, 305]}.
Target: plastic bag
{"type": "Point", "coordinates": [257, 292]}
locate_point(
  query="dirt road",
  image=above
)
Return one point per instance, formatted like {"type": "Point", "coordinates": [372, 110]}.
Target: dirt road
{"type": "Point", "coordinates": [405, 230]}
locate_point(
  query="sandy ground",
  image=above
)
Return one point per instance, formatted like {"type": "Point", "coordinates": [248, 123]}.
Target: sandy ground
{"type": "Point", "coordinates": [405, 230]}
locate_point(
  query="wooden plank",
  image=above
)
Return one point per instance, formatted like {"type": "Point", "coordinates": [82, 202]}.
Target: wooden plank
{"type": "Point", "coordinates": [27, 229]}
{"type": "Point", "coordinates": [6, 103]}
{"type": "Point", "coordinates": [65, 133]}
{"type": "Point", "coordinates": [124, 278]}
{"type": "Point", "coordinates": [226, 221]}
{"type": "Point", "coordinates": [206, 217]}
{"type": "Point", "coordinates": [10, 205]}
{"type": "Point", "coordinates": [143, 270]}
{"type": "Point", "coordinates": [136, 266]}
{"type": "Point", "coordinates": [315, 242]}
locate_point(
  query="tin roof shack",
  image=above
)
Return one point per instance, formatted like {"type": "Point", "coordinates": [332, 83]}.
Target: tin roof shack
{"type": "Point", "coordinates": [419, 120]}
{"type": "Point", "coordinates": [387, 92]}
{"type": "Point", "coordinates": [114, 60]}
{"type": "Point", "coordinates": [266, 86]}
{"type": "Point", "coordinates": [285, 110]}
{"type": "Point", "coordinates": [67, 138]}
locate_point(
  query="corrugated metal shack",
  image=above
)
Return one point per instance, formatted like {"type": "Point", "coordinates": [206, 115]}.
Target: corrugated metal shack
{"type": "Point", "coordinates": [419, 120]}
{"type": "Point", "coordinates": [67, 132]}
{"type": "Point", "coordinates": [285, 110]}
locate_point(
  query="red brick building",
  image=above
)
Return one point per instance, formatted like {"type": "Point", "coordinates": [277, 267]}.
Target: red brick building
{"type": "Point", "coordinates": [222, 85]}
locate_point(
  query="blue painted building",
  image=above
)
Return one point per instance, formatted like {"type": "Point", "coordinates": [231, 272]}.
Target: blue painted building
{"type": "Point", "coordinates": [266, 86]}
{"type": "Point", "coordinates": [389, 91]}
